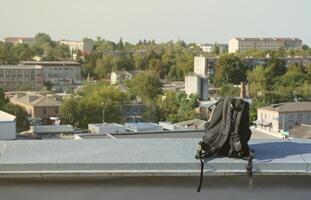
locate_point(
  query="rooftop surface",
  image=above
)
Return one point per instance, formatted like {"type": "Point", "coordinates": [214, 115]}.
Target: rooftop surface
{"type": "Point", "coordinates": [289, 107]}
{"type": "Point", "coordinates": [144, 157]}
{"type": "Point", "coordinates": [256, 134]}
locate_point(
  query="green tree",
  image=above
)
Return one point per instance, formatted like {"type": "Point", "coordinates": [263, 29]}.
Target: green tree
{"type": "Point", "coordinates": [146, 86]}
{"type": "Point", "coordinates": [91, 104]}
{"type": "Point", "coordinates": [176, 107]}
{"type": "Point", "coordinates": [230, 69]}
{"type": "Point", "coordinates": [258, 81]}
{"type": "Point", "coordinates": [229, 90]}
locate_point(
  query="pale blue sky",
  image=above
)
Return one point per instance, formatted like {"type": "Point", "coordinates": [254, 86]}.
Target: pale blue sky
{"type": "Point", "coordinates": [162, 20]}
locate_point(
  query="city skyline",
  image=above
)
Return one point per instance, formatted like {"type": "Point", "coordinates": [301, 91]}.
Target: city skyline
{"type": "Point", "coordinates": [200, 21]}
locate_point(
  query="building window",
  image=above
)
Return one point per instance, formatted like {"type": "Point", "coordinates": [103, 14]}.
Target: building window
{"type": "Point", "coordinates": [300, 117]}
{"type": "Point", "coordinates": [291, 116]}
{"type": "Point", "coordinates": [44, 111]}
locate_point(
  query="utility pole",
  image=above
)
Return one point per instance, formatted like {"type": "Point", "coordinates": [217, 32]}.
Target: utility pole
{"type": "Point", "coordinates": [103, 115]}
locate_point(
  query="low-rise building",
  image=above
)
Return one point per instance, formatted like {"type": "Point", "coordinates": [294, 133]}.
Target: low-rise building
{"type": "Point", "coordinates": [21, 77]}
{"type": "Point", "coordinates": [63, 75]}
{"type": "Point", "coordinates": [40, 108]}
{"type": "Point", "coordinates": [194, 124]}
{"type": "Point", "coordinates": [279, 118]}
{"type": "Point", "coordinates": [7, 126]}
{"type": "Point", "coordinates": [143, 127]}
{"type": "Point", "coordinates": [213, 48]}
{"type": "Point", "coordinates": [119, 76]}
{"type": "Point", "coordinates": [19, 40]}
{"type": "Point", "coordinates": [110, 128]}
{"type": "Point", "coordinates": [85, 46]}
{"type": "Point", "coordinates": [243, 44]}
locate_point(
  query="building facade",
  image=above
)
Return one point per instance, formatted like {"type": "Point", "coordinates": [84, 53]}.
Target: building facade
{"type": "Point", "coordinates": [204, 67]}
{"type": "Point", "coordinates": [211, 48]}
{"type": "Point", "coordinates": [195, 84]}
{"type": "Point", "coordinates": [244, 44]}
{"type": "Point", "coordinates": [119, 77]}
{"type": "Point", "coordinates": [85, 46]}
{"type": "Point", "coordinates": [281, 117]}
{"type": "Point", "coordinates": [63, 75]}
{"type": "Point", "coordinates": [19, 40]}
{"type": "Point", "coordinates": [41, 109]}
{"type": "Point", "coordinates": [21, 77]}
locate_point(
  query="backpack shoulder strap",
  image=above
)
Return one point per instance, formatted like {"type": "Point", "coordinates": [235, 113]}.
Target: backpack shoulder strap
{"type": "Point", "coordinates": [225, 124]}
{"type": "Point", "coordinates": [234, 139]}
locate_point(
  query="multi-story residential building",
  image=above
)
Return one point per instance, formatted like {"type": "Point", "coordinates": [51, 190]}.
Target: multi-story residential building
{"type": "Point", "coordinates": [19, 40]}
{"type": "Point", "coordinates": [244, 44]}
{"type": "Point", "coordinates": [21, 77]}
{"type": "Point", "coordinates": [198, 85]}
{"type": "Point", "coordinates": [197, 82]}
{"type": "Point", "coordinates": [281, 117]}
{"type": "Point", "coordinates": [63, 75]}
{"type": "Point", "coordinates": [85, 46]}
{"type": "Point", "coordinates": [201, 63]}
{"type": "Point", "coordinates": [40, 108]}
{"type": "Point", "coordinates": [204, 67]}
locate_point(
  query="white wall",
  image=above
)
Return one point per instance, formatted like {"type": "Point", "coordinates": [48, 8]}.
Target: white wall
{"type": "Point", "coordinates": [8, 130]}
{"type": "Point", "coordinates": [193, 85]}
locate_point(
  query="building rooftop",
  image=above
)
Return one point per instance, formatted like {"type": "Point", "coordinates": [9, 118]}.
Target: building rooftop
{"type": "Point", "coordinates": [35, 100]}
{"type": "Point", "coordinates": [5, 117]}
{"type": "Point", "coordinates": [302, 131]}
{"type": "Point", "coordinates": [267, 39]}
{"type": "Point", "coordinates": [256, 134]}
{"type": "Point", "coordinates": [289, 107]}
{"type": "Point", "coordinates": [20, 66]}
{"type": "Point", "coordinates": [50, 63]}
{"type": "Point", "coordinates": [144, 157]}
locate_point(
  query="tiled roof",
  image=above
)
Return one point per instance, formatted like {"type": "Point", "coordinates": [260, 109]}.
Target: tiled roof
{"type": "Point", "coordinates": [37, 100]}
{"type": "Point", "coordinates": [289, 107]}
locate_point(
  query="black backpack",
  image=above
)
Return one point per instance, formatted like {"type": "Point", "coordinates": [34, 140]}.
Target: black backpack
{"type": "Point", "coordinates": [227, 134]}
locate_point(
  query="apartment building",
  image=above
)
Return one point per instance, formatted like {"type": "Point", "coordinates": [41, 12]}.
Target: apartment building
{"type": "Point", "coordinates": [244, 44]}
{"type": "Point", "coordinates": [21, 77]}
{"type": "Point", "coordinates": [63, 75]}
{"type": "Point", "coordinates": [85, 46]}
{"type": "Point", "coordinates": [40, 108]}
{"type": "Point", "coordinates": [281, 117]}
{"type": "Point", "coordinates": [19, 40]}
{"type": "Point", "coordinates": [198, 85]}
{"type": "Point", "coordinates": [204, 67]}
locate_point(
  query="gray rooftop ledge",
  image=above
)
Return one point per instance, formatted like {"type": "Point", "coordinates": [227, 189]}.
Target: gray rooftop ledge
{"type": "Point", "coordinates": [143, 157]}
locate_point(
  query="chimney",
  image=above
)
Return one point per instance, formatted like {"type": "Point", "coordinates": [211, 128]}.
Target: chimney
{"type": "Point", "coordinates": [242, 91]}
